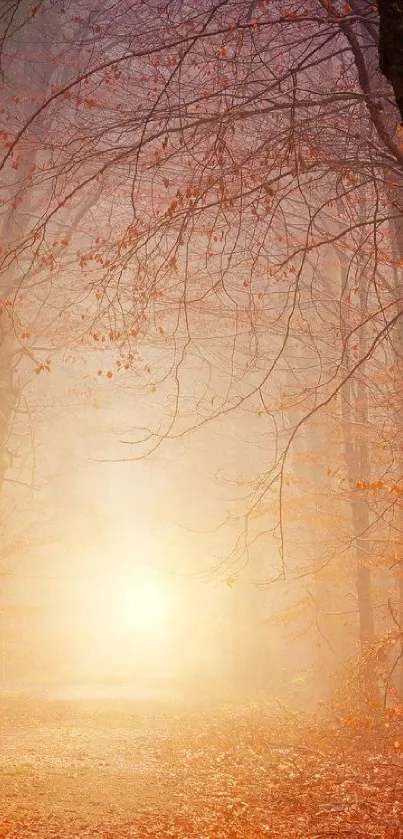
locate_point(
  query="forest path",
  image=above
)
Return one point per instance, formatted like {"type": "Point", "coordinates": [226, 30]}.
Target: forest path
{"type": "Point", "coordinates": [93, 768]}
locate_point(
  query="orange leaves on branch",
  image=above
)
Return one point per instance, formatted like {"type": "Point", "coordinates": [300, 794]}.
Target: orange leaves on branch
{"type": "Point", "coordinates": [16, 162]}
{"type": "Point", "coordinates": [88, 103]}
{"type": "Point", "coordinates": [133, 232]}
{"type": "Point", "coordinates": [112, 335]}
{"type": "Point", "coordinates": [6, 304]}
{"type": "Point", "coordinates": [328, 5]}
{"type": "Point", "coordinates": [375, 486]}
{"type": "Point", "coordinates": [43, 368]}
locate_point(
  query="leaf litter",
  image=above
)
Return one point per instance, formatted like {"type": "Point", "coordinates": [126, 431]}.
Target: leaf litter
{"type": "Point", "coordinates": [75, 770]}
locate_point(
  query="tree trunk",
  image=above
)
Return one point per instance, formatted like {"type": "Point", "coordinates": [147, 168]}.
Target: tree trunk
{"type": "Point", "coordinates": [397, 346]}
{"type": "Point", "coordinates": [391, 46]}
{"type": "Point", "coordinates": [355, 420]}
{"type": "Point", "coordinates": [7, 395]}
{"type": "Point", "coordinates": [354, 417]}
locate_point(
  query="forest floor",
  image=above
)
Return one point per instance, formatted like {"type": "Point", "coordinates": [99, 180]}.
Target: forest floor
{"type": "Point", "coordinates": [123, 769]}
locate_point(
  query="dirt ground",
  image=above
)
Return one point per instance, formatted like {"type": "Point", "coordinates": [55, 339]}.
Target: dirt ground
{"type": "Point", "coordinates": [131, 769]}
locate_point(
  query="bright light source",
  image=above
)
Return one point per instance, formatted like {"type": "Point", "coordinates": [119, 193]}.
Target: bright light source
{"type": "Point", "coordinates": [147, 606]}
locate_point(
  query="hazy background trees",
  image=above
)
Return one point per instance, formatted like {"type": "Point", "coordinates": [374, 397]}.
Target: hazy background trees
{"type": "Point", "coordinates": [202, 263]}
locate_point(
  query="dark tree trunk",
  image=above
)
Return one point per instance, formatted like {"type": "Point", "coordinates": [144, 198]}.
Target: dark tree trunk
{"type": "Point", "coordinates": [391, 46]}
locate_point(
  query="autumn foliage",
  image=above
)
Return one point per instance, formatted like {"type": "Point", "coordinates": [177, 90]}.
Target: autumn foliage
{"type": "Point", "coordinates": [204, 205]}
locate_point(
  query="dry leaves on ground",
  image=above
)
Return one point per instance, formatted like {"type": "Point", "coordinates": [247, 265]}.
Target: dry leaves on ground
{"type": "Point", "coordinates": [70, 770]}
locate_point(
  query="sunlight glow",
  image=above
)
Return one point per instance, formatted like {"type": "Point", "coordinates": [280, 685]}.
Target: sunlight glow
{"type": "Point", "coordinates": [147, 606]}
